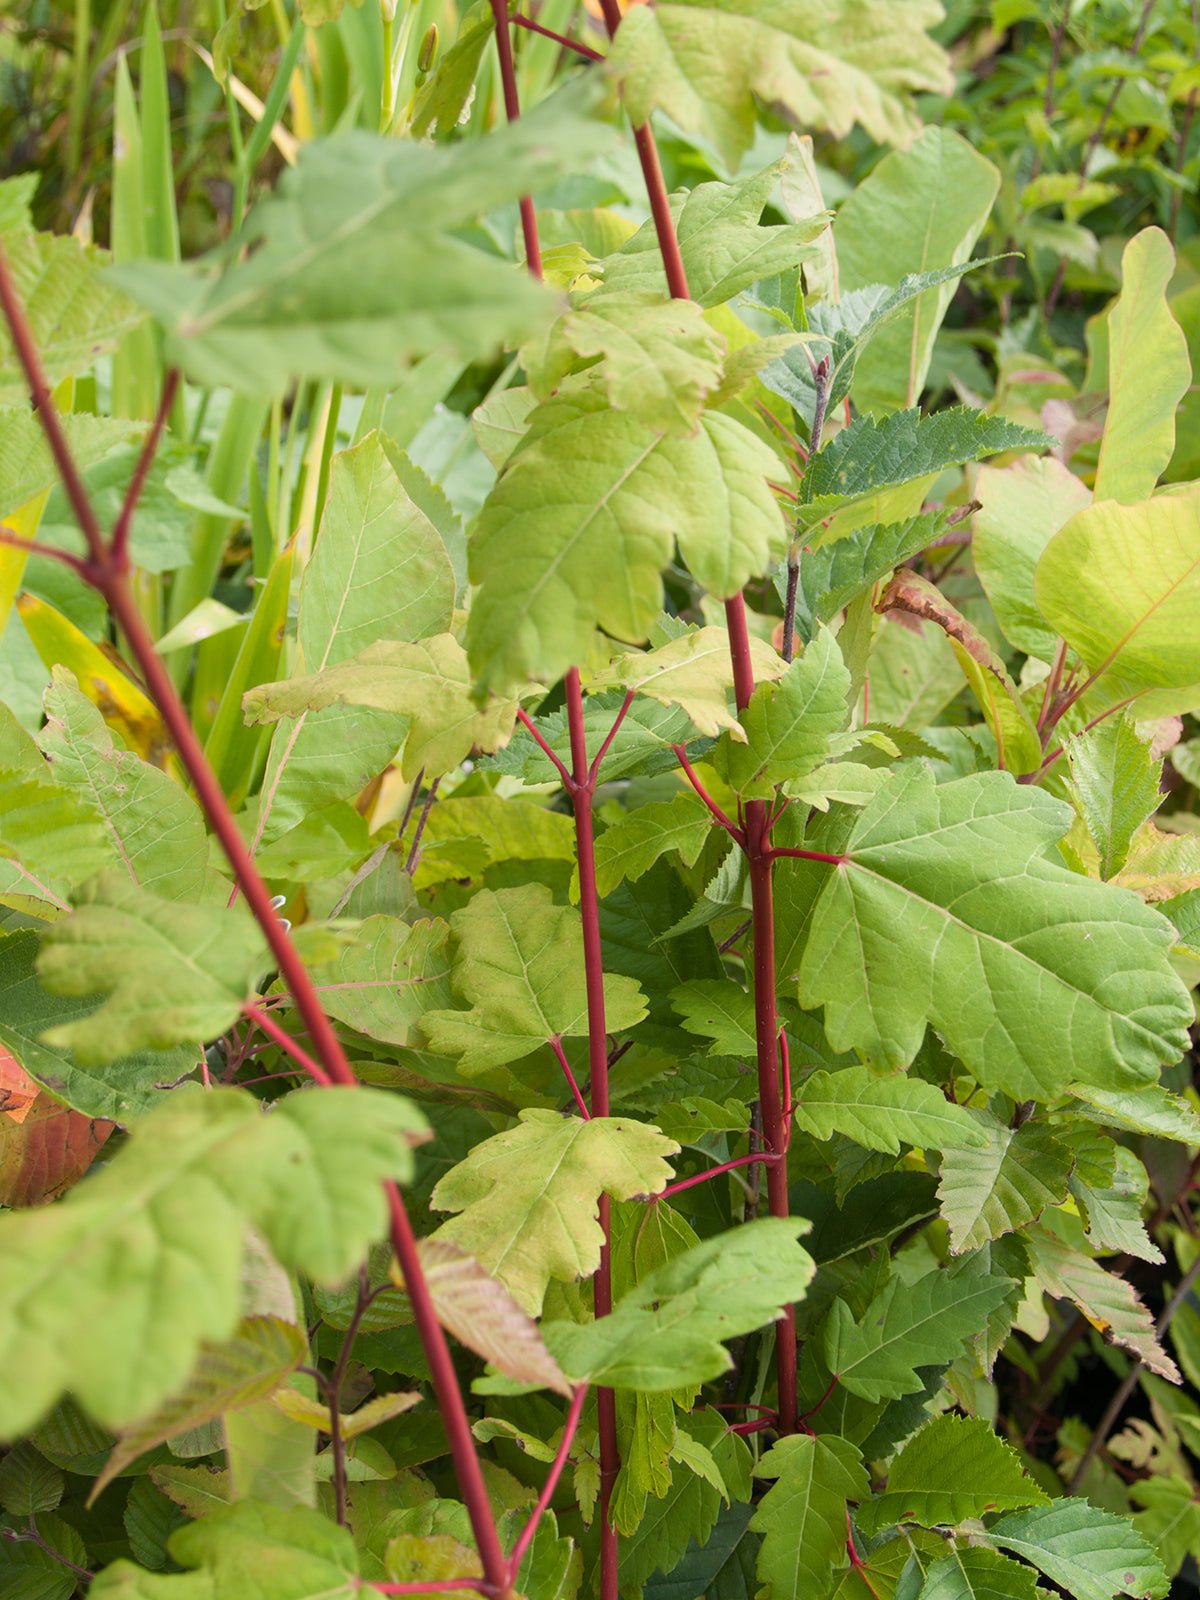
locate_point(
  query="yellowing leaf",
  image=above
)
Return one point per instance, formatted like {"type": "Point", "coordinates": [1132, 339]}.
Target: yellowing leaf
{"type": "Point", "coordinates": [693, 672]}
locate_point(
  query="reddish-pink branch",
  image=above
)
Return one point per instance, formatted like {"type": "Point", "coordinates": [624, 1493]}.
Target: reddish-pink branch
{"type": "Point", "coordinates": [32, 548]}
{"type": "Point", "coordinates": [594, 769]}
{"type": "Point", "coordinates": [559, 38]}
{"type": "Point", "coordinates": [110, 577]}
{"type": "Point", "coordinates": [512, 109]}
{"type": "Point", "coordinates": [280, 1036]}
{"type": "Point", "coordinates": [776, 851]}
{"type": "Point", "coordinates": [714, 1172]}
{"type": "Point", "coordinates": [556, 1046]}
{"type": "Point", "coordinates": [562, 1455]}
{"type": "Point", "coordinates": [715, 811]}
{"type": "Point", "coordinates": [119, 549]}
{"type": "Point", "coordinates": [435, 1586]}
{"type": "Point", "coordinates": [564, 772]}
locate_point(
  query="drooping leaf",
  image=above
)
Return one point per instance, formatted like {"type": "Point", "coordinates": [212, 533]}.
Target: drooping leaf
{"type": "Point", "coordinates": [1109, 1303]}
{"type": "Point", "coordinates": [954, 1469]}
{"type": "Point", "coordinates": [724, 244]}
{"type": "Point", "coordinates": [1109, 1186]}
{"type": "Point", "coordinates": [481, 1314]}
{"type": "Point", "coordinates": [631, 846]}
{"type": "Point", "coordinates": [794, 725]}
{"type": "Point", "coordinates": [930, 202]}
{"type": "Point", "coordinates": [1148, 373]}
{"type": "Point", "coordinates": [527, 1198]}
{"type": "Point", "coordinates": [1009, 1182]}
{"type": "Point", "coordinates": [247, 1367]}
{"type": "Point", "coordinates": [880, 1113]}
{"type": "Point", "coordinates": [948, 910]}
{"type": "Point", "coordinates": [519, 963]}
{"type": "Point", "coordinates": [308, 1556]}
{"type": "Point", "coordinates": [829, 67]}
{"type": "Point", "coordinates": [427, 682]}
{"type": "Point", "coordinates": [575, 534]}
{"type": "Point", "coordinates": [172, 973]}
{"type": "Point", "coordinates": [667, 1332]}
{"type": "Point", "coordinates": [1115, 783]}
{"type": "Point", "coordinates": [925, 1323]}
{"type": "Point", "coordinates": [802, 1517]}
{"type": "Point", "coordinates": [874, 454]}
{"type": "Point", "coordinates": [1152, 1110]}
{"type": "Point", "coordinates": [165, 1221]}
{"type": "Point", "coordinates": [693, 672]}
{"type": "Point", "coordinates": [1093, 1554]}
{"type": "Point", "coordinates": [376, 213]}
{"type": "Point", "coordinates": [1022, 507]}
{"type": "Point", "coordinates": [1121, 584]}
{"type": "Point", "coordinates": [153, 829]}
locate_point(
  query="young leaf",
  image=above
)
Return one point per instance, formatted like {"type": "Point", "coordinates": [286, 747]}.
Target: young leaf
{"type": "Point", "coordinates": [879, 1113]}
{"type": "Point", "coordinates": [575, 534]}
{"type": "Point", "coordinates": [247, 1367]}
{"type": "Point", "coordinates": [1007, 1184]}
{"type": "Point", "coordinates": [1093, 1554]}
{"type": "Point", "coordinates": [973, 1572]}
{"type": "Point", "coordinates": [308, 1556]}
{"type": "Point", "coordinates": [794, 725]}
{"type": "Point", "coordinates": [1115, 783]}
{"type": "Point", "coordinates": [725, 246]}
{"type": "Point", "coordinates": [527, 1197]}
{"type": "Point", "coordinates": [433, 1558]}
{"type": "Point", "coordinates": [480, 1313]}
{"type": "Point", "coordinates": [667, 1332]}
{"type": "Point", "coordinates": [520, 965]}
{"type": "Point", "coordinates": [693, 672]}
{"type": "Point", "coordinates": [828, 67]}
{"type": "Point", "coordinates": [173, 973]}
{"type": "Point", "coordinates": [874, 454]}
{"type": "Point", "coordinates": [165, 1220]}
{"type": "Point", "coordinates": [925, 1323]}
{"type": "Point", "coordinates": [1022, 507]}
{"type": "Point", "coordinates": [381, 215]}
{"type": "Point", "coordinates": [631, 845]}
{"type": "Point", "coordinates": [802, 1517]}
{"type": "Point", "coordinates": [427, 682]}
{"type": "Point", "coordinates": [1109, 1303]}
{"type": "Point", "coordinates": [154, 830]}
{"type": "Point", "coordinates": [385, 980]}
{"type": "Point", "coordinates": [1149, 373]}
{"type": "Point", "coordinates": [954, 1469]}
{"type": "Point", "coordinates": [1121, 584]}
{"type": "Point", "coordinates": [948, 910]}
{"type": "Point", "coordinates": [930, 202]}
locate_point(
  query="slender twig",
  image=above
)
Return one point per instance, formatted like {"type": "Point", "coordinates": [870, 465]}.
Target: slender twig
{"type": "Point", "coordinates": [556, 1046]}
{"type": "Point", "coordinates": [559, 38]}
{"type": "Point", "coordinates": [525, 1539]}
{"type": "Point", "coordinates": [32, 548]}
{"type": "Point", "coordinates": [1117, 1404]}
{"type": "Point", "coordinates": [333, 1395]}
{"type": "Point", "coordinates": [435, 1586]}
{"type": "Point", "coordinates": [123, 527]}
{"type": "Point", "coordinates": [594, 769]}
{"type": "Point", "coordinates": [715, 1172]}
{"type": "Point", "coordinates": [512, 108]}
{"type": "Point", "coordinates": [564, 772]}
{"type": "Point", "coordinates": [689, 771]}
{"type": "Point", "coordinates": [856, 1560]}
{"type": "Point", "coordinates": [414, 853]}
{"type": "Point", "coordinates": [829, 1388]}
{"type": "Point", "coordinates": [740, 932]}
{"type": "Point", "coordinates": [31, 1535]}
{"type": "Point", "coordinates": [286, 1043]}
{"type": "Point", "coordinates": [821, 377]}
{"type": "Point", "coordinates": [776, 851]}
{"type": "Point", "coordinates": [1053, 682]}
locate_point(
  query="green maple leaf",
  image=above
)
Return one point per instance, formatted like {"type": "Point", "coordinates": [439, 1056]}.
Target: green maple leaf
{"type": "Point", "coordinates": [631, 845]}
{"type": "Point", "coordinates": [520, 964]}
{"type": "Point", "coordinates": [172, 973]}
{"type": "Point", "coordinates": [1000, 1187]}
{"type": "Point", "coordinates": [693, 672]}
{"type": "Point", "coordinates": [385, 980]}
{"type": "Point", "coordinates": [792, 726]}
{"type": "Point", "coordinates": [51, 839]}
{"type": "Point", "coordinates": [147, 1254]}
{"type": "Point", "coordinates": [829, 66]}
{"type": "Point", "coordinates": [587, 514]}
{"type": "Point", "coordinates": [1093, 1554]}
{"type": "Point", "coordinates": [308, 1557]}
{"type": "Point", "coordinates": [724, 244]}
{"type": "Point", "coordinates": [428, 682]}
{"type": "Point", "coordinates": [948, 909]}
{"type": "Point", "coordinates": [802, 1517]}
{"type": "Point", "coordinates": [528, 1198]}
{"type": "Point", "coordinates": [27, 467]}
{"type": "Point", "coordinates": [667, 1332]}
{"type": "Point", "coordinates": [878, 1113]}
{"type": "Point", "coordinates": [1115, 783]}
{"type": "Point", "coordinates": [925, 1323]}
{"type": "Point", "coordinates": [955, 1468]}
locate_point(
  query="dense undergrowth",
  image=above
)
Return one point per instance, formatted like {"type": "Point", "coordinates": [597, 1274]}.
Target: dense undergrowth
{"type": "Point", "coordinates": [599, 774]}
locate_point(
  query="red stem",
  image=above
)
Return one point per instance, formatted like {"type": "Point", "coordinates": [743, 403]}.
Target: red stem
{"type": "Point", "coordinates": [731, 828]}
{"type": "Point", "coordinates": [512, 109]}
{"type": "Point", "coordinates": [713, 1172]}
{"type": "Point", "coordinates": [265, 1021]}
{"type": "Point", "coordinates": [594, 769]}
{"type": "Point", "coordinates": [556, 1046]}
{"type": "Point", "coordinates": [32, 548]}
{"type": "Point", "coordinates": [119, 548]}
{"type": "Point", "coordinates": [548, 1488]}
{"type": "Point", "coordinates": [435, 1586]}
{"type": "Point", "coordinates": [112, 581]}
{"type": "Point", "coordinates": [805, 855]}
{"type": "Point", "coordinates": [564, 772]}
{"type": "Point", "coordinates": [559, 38]}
